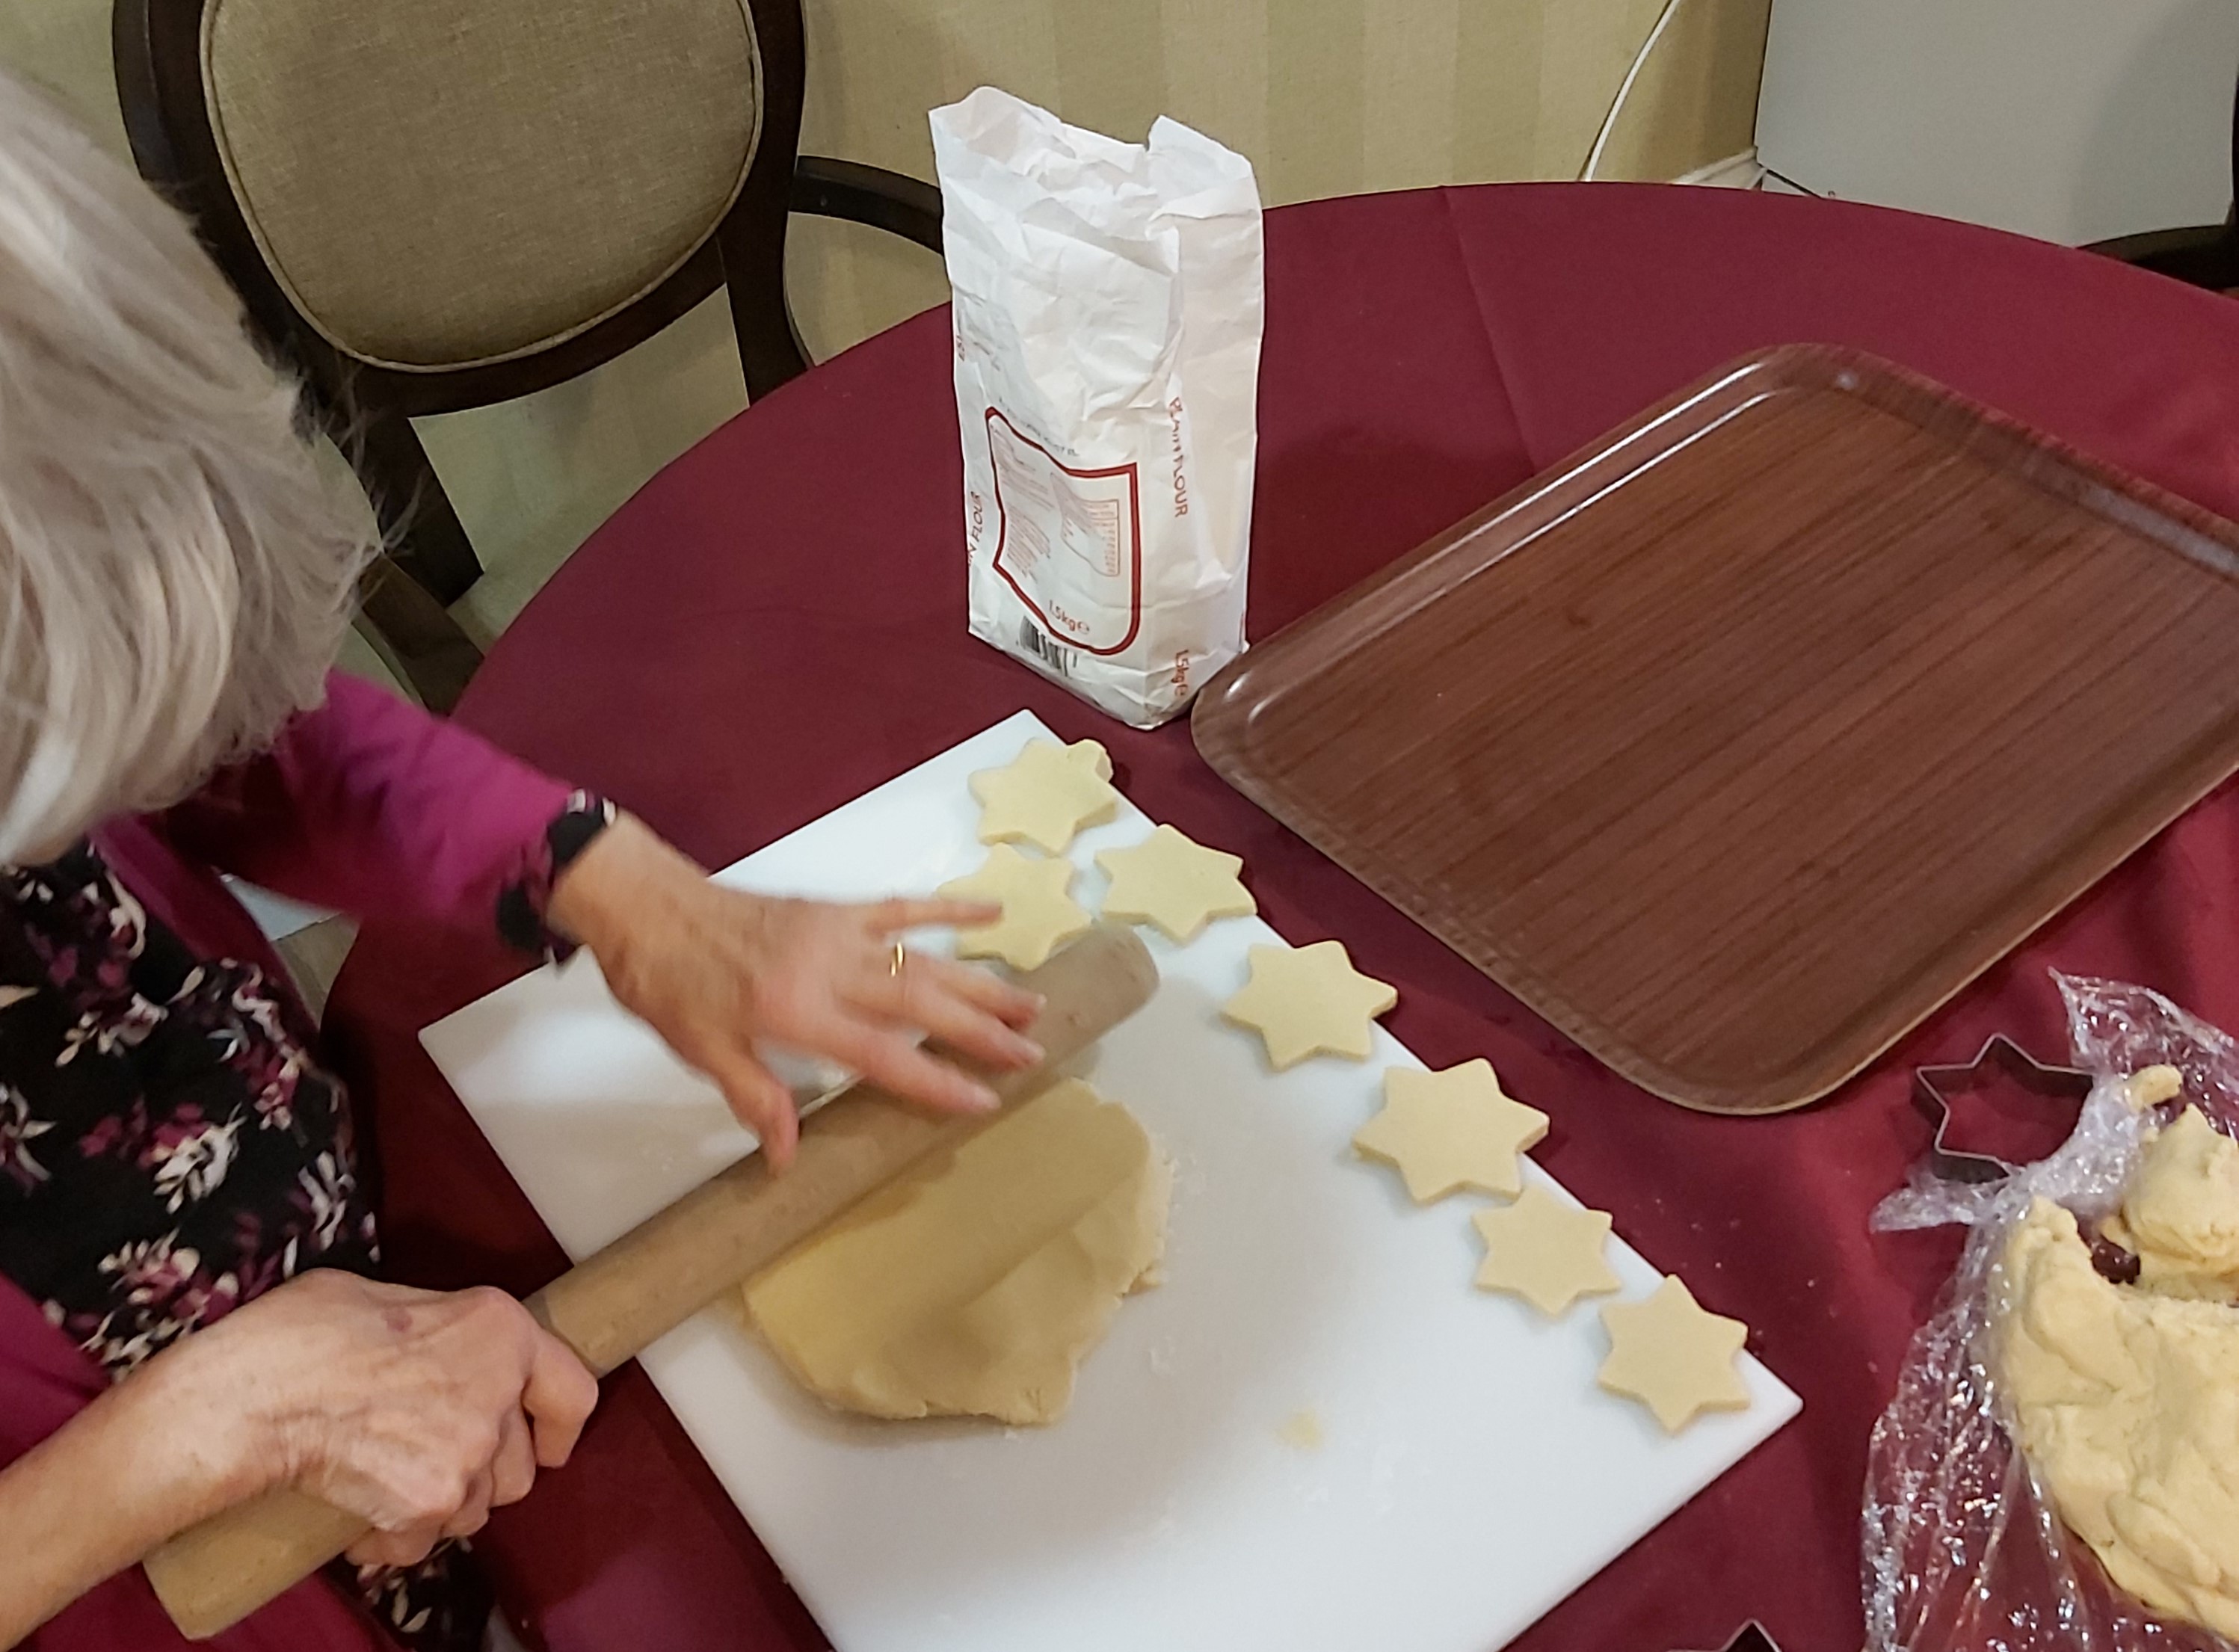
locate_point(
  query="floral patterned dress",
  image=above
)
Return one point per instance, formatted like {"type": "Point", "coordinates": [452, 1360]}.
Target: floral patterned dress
{"type": "Point", "coordinates": [170, 1148]}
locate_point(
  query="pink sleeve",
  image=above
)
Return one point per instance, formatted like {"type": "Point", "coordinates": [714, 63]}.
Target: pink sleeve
{"type": "Point", "coordinates": [372, 806]}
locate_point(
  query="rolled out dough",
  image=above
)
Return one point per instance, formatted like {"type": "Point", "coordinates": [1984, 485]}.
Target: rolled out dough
{"type": "Point", "coordinates": [974, 1283]}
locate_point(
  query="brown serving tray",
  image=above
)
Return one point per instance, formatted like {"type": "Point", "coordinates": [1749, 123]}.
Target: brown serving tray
{"type": "Point", "coordinates": [1739, 742]}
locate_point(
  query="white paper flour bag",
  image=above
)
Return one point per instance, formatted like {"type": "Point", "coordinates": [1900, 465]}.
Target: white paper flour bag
{"type": "Point", "coordinates": [1108, 304]}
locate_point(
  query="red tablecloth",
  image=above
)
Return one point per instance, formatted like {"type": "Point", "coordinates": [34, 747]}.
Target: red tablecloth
{"type": "Point", "coordinates": [777, 623]}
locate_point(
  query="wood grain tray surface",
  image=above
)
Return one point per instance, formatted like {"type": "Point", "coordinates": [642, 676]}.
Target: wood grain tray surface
{"type": "Point", "coordinates": [1738, 743]}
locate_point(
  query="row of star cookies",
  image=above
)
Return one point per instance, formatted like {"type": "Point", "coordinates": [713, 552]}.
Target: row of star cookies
{"type": "Point", "coordinates": [1457, 1129]}
{"type": "Point", "coordinates": [1044, 798]}
{"type": "Point", "coordinates": [1302, 1001]}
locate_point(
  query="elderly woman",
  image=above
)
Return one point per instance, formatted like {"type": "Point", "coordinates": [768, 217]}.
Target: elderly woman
{"type": "Point", "coordinates": [189, 1310]}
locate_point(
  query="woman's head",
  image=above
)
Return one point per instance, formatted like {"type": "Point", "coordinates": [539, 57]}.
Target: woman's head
{"type": "Point", "coordinates": [176, 568]}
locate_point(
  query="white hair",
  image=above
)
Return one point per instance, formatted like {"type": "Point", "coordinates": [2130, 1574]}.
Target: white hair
{"type": "Point", "coordinates": [177, 568]}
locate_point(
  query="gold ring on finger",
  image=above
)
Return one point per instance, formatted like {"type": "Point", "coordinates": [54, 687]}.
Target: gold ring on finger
{"type": "Point", "coordinates": [900, 958]}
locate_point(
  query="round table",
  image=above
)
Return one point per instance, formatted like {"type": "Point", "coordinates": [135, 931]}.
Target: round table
{"type": "Point", "coordinates": [776, 623]}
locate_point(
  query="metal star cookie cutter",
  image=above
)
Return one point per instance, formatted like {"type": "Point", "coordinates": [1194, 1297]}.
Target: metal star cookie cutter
{"type": "Point", "coordinates": [1751, 1637]}
{"type": "Point", "coordinates": [1934, 1089]}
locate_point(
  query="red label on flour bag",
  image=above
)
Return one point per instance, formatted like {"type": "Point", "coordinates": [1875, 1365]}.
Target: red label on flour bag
{"type": "Point", "coordinates": [1058, 529]}
{"type": "Point", "coordinates": [1107, 316]}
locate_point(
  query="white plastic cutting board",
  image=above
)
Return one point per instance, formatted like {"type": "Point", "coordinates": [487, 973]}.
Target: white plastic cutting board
{"type": "Point", "coordinates": [1314, 1435]}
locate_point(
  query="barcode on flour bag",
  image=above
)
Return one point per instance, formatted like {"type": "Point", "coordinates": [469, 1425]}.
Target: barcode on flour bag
{"type": "Point", "coordinates": [1036, 644]}
{"type": "Point", "coordinates": [1108, 314]}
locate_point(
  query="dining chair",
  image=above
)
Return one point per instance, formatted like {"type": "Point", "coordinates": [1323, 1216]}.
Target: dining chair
{"type": "Point", "coordinates": [429, 205]}
{"type": "Point", "coordinates": [2203, 255]}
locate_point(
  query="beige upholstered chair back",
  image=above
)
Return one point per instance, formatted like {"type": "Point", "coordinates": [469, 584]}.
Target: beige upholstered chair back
{"type": "Point", "coordinates": [446, 183]}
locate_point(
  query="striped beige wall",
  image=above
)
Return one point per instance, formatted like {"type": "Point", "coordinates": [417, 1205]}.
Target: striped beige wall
{"type": "Point", "coordinates": [1326, 96]}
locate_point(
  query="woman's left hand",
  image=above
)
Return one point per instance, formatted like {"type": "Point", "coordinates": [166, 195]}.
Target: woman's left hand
{"type": "Point", "coordinates": [713, 969]}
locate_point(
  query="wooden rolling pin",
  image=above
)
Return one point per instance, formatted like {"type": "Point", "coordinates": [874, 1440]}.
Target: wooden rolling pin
{"type": "Point", "coordinates": [658, 1275]}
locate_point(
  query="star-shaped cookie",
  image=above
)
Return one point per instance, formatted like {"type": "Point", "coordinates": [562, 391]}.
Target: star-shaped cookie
{"type": "Point", "coordinates": [1673, 1356]}
{"type": "Point", "coordinates": [1543, 1250]}
{"type": "Point", "coordinates": [1309, 1000]}
{"type": "Point", "coordinates": [1443, 1130]}
{"type": "Point", "coordinates": [1046, 794]}
{"type": "Point", "coordinates": [1178, 884]}
{"type": "Point", "coordinates": [1038, 915]}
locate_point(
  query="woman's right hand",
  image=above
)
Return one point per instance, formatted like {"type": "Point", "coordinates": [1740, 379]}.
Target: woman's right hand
{"type": "Point", "coordinates": [419, 1411]}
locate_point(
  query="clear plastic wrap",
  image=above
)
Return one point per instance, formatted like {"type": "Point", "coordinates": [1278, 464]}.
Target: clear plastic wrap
{"type": "Point", "coordinates": [1961, 1551]}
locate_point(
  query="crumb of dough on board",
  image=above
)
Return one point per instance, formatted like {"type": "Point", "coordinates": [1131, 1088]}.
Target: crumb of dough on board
{"type": "Point", "coordinates": [1046, 794]}
{"type": "Point", "coordinates": [974, 1283]}
{"type": "Point", "coordinates": [1175, 883]}
{"type": "Point", "coordinates": [1546, 1252]}
{"type": "Point", "coordinates": [1450, 1130]}
{"type": "Point", "coordinates": [1309, 1000]}
{"type": "Point", "coordinates": [1039, 915]}
{"type": "Point", "coordinates": [1302, 1432]}
{"type": "Point", "coordinates": [1674, 1356]}
{"type": "Point", "coordinates": [2126, 1403]}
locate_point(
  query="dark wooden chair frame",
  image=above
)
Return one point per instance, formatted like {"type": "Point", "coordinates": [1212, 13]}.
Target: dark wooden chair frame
{"type": "Point", "coordinates": [367, 409]}
{"type": "Point", "coordinates": [2202, 255]}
